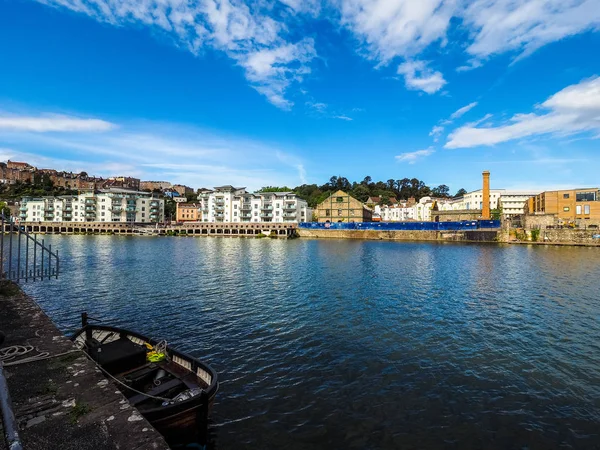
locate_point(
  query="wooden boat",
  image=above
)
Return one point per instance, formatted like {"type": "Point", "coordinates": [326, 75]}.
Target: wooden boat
{"type": "Point", "coordinates": [173, 392]}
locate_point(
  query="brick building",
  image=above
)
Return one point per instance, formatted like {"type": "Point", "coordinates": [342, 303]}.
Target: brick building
{"type": "Point", "coordinates": [342, 207]}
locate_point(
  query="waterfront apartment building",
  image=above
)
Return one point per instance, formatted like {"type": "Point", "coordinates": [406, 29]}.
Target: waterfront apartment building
{"type": "Point", "coordinates": [109, 205]}
{"type": "Point", "coordinates": [342, 207]}
{"type": "Point", "coordinates": [512, 203]}
{"type": "Point", "coordinates": [572, 205]}
{"type": "Point", "coordinates": [229, 204]}
{"type": "Point", "coordinates": [188, 212]}
{"type": "Point", "coordinates": [397, 212]}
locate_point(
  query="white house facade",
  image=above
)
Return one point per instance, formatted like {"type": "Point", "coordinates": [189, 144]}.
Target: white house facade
{"type": "Point", "coordinates": [110, 205]}
{"type": "Point", "coordinates": [229, 204]}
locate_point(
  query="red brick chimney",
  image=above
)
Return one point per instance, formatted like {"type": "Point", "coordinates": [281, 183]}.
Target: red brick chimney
{"type": "Point", "coordinates": [485, 209]}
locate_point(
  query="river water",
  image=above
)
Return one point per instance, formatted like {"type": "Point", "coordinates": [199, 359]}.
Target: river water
{"type": "Point", "coordinates": [360, 344]}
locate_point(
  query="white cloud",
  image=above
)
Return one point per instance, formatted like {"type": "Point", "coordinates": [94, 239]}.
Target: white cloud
{"type": "Point", "coordinates": [499, 26]}
{"type": "Point", "coordinates": [342, 117]}
{"type": "Point", "coordinates": [53, 123]}
{"type": "Point", "coordinates": [462, 111]}
{"type": "Point", "coordinates": [417, 76]}
{"type": "Point", "coordinates": [246, 33]}
{"type": "Point", "coordinates": [575, 109]}
{"type": "Point", "coordinates": [413, 157]}
{"type": "Point", "coordinates": [312, 7]}
{"type": "Point", "coordinates": [435, 132]}
{"type": "Point", "coordinates": [152, 150]}
{"type": "Point", "coordinates": [317, 106]}
{"type": "Point", "coordinates": [396, 28]}
{"type": "Point", "coordinates": [389, 29]}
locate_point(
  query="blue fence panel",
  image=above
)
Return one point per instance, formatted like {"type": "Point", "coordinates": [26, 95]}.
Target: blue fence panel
{"type": "Point", "coordinates": [403, 226]}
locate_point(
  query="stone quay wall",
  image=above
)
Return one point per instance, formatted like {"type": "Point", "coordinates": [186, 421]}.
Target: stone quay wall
{"type": "Point", "coordinates": [188, 229]}
{"type": "Point", "coordinates": [401, 235]}
{"type": "Point", "coordinates": [566, 236]}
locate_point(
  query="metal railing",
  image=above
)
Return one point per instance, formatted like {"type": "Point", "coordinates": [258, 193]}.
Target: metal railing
{"type": "Point", "coordinates": [23, 257]}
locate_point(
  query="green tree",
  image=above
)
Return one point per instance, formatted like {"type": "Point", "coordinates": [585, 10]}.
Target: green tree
{"type": "Point", "coordinates": [170, 209]}
{"type": "Point", "coordinates": [274, 189]}
{"type": "Point", "coordinates": [496, 213]}
{"type": "Point", "coordinates": [5, 210]}
{"type": "Point", "coordinates": [460, 192]}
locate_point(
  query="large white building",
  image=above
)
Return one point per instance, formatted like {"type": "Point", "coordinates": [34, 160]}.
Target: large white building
{"type": "Point", "coordinates": [229, 204]}
{"type": "Point", "coordinates": [110, 205]}
{"type": "Point", "coordinates": [512, 202]}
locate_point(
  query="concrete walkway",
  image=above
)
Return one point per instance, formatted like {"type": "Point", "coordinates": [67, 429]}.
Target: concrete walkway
{"type": "Point", "coordinates": [64, 402]}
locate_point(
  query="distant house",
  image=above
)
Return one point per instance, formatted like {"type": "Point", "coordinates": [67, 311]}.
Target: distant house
{"type": "Point", "coordinates": [342, 207]}
{"type": "Point", "coordinates": [372, 201]}
{"type": "Point", "coordinates": [188, 212]}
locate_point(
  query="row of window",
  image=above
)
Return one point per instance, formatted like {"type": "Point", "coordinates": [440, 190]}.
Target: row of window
{"type": "Point", "coordinates": [583, 196]}
{"type": "Point", "coordinates": [578, 208]}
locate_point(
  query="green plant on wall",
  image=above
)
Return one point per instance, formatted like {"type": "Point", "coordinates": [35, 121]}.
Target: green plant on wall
{"type": "Point", "coordinates": [497, 212]}
{"type": "Point", "coordinates": [535, 235]}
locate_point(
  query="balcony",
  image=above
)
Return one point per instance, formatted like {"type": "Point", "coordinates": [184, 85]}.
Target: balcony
{"type": "Point", "coordinates": [220, 202]}
{"type": "Point", "coordinates": [68, 208]}
{"type": "Point", "coordinates": [49, 208]}
{"type": "Point", "coordinates": [23, 208]}
{"type": "Point", "coordinates": [266, 215]}
{"type": "Point", "coordinates": [267, 207]}
{"type": "Point", "coordinates": [289, 216]}
{"type": "Point", "coordinates": [289, 208]}
{"type": "Point", "coordinates": [90, 209]}
{"type": "Point", "coordinates": [246, 206]}
{"type": "Point", "coordinates": [90, 201]}
{"type": "Point", "coordinates": [245, 216]}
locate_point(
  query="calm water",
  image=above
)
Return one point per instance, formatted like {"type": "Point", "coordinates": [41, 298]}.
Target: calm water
{"type": "Point", "coordinates": [367, 345]}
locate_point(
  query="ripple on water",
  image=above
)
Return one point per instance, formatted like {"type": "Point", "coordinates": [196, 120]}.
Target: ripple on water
{"type": "Point", "coordinates": [338, 344]}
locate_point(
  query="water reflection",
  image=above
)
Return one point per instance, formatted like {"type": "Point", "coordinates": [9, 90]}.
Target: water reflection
{"type": "Point", "coordinates": [350, 344]}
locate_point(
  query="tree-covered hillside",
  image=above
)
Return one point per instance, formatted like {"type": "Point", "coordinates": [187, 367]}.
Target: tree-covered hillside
{"type": "Point", "coordinates": [400, 189]}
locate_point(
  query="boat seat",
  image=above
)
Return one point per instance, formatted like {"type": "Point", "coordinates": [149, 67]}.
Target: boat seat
{"type": "Point", "coordinates": [157, 391]}
{"type": "Point", "coordinates": [139, 373]}
{"type": "Point", "coordinates": [119, 356]}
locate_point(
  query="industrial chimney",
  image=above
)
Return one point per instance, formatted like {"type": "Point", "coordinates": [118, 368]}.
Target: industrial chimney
{"type": "Point", "coordinates": [485, 209]}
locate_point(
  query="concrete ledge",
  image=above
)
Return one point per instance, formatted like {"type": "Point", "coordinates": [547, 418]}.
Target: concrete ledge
{"type": "Point", "coordinates": [64, 402]}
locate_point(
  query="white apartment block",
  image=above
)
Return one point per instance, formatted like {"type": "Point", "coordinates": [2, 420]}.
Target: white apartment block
{"type": "Point", "coordinates": [399, 212]}
{"type": "Point", "coordinates": [512, 202]}
{"type": "Point", "coordinates": [229, 204]}
{"type": "Point", "coordinates": [110, 205]}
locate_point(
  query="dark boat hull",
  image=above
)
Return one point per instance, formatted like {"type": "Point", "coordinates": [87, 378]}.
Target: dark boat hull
{"type": "Point", "coordinates": [178, 419]}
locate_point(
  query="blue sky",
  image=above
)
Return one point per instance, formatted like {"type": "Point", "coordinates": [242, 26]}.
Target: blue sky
{"type": "Point", "coordinates": [274, 92]}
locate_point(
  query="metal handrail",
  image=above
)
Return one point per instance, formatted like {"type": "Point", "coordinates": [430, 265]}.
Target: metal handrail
{"type": "Point", "coordinates": [23, 257]}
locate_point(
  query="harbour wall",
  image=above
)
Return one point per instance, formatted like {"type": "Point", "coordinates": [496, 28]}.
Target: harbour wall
{"type": "Point", "coordinates": [185, 229]}
{"type": "Point", "coordinates": [554, 236]}
{"type": "Point", "coordinates": [59, 398]}
{"type": "Point", "coordinates": [401, 235]}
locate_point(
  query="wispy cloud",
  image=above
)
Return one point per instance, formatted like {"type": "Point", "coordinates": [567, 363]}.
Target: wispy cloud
{"type": "Point", "coordinates": [575, 109]}
{"type": "Point", "coordinates": [418, 76]}
{"type": "Point", "coordinates": [413, 157]}
{"type": "Point", "coordinates": [462, 111]}
{"type": "Point", "coordinates": [435, 132]}
{"type": "Point", "coordinates": [342, 117]}
{"type": "Point", "coordinates": [250, 34]}
{"type": "Point", "coordinates": [152, 150]}
{"type": "Point", "coordinates": [52, 122]}
{"type": "Point", "coordinates": [405, 28]}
